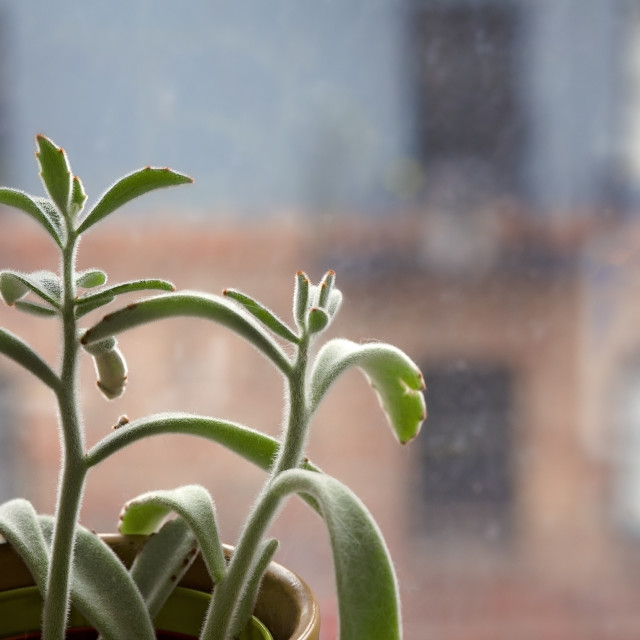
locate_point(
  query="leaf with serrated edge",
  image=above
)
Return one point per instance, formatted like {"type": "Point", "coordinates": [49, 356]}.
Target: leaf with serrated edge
{"type": "Point", "coordinates": [367, 590]}
{"type": "Point", "coordinates": [268, 318]}
{"type": "Point", "coordinates": [395, 378]}
{"type": "Point", "coordinates": [30, 205]}
{"type": "Point", "coordinates": [23, 354]}
{"type": "Point", "coordinates": [162, 561]}
{"type": "Point", "coordinates": [130, 187]}
{"type": "Point", "coordinates": [101, 585]}
{"type": "Point", "coordinates": [55, 173]}
{"type": "Point", "coordinates": [144, 514]}
{"type": "Point", "coordinates": [196, 305]}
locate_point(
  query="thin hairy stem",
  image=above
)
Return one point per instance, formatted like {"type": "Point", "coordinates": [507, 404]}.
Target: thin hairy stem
{"type": "Point", "coordinates": [74, 469]}
{"type": "Point", "coordinates": [228, 595]}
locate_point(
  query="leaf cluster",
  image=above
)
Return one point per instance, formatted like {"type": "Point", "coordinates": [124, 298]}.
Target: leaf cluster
{"type": "Point", "coordinates": [71, 565]}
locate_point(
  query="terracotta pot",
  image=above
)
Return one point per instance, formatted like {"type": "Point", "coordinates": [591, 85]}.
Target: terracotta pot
{"type": "Point", "coordinates": [285, 603]}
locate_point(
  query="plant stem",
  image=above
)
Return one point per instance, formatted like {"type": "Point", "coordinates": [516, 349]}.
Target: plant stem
{"type": "Point", "coordinates": [228, 594]}
{"type": "Point", "coordinates": [74, 469]}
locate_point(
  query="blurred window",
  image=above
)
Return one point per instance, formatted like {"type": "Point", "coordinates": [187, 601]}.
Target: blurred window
{"type": "Point", "coordinates": [466, 451]}
{"type": "Point", "coordinates": [467, 96]}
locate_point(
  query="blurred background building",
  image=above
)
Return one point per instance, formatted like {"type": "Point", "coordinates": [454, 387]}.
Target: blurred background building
{"type": "Point", "coordinates": [471, 171]}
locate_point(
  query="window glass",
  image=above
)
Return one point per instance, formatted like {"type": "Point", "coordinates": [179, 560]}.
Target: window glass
{"type": "Point", "coordinates": [470, 169]}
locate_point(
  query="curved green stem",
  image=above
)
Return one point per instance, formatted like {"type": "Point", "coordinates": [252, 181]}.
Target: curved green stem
{"type": "Point", "coordinates": [229, 597]}
{"type": "Point", "coordinates": [74, 469]}
{"type": "Point", "coordinates": [295, 436]}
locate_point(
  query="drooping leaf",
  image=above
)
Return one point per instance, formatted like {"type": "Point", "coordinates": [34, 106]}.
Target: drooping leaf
{"type": "Point", "coordinates": [130, 187]}
{"type": "Point", "coordinates": [19, 526]}
{"type": "Point", "coordinates": [268, 318]}
{"type": "Point", "coordinates": [191, 304]}
{"type": "Point", "coordinates": [55, 173]}
{"type": "Point", "coordinates": [193, 503]}
{"type": "Point", "coordinates": [45, 284]}
{"type": "Point", "coordinates": [254, 446]}
{"type": "Point", "coordinates": [162, 561]}
{"type": "Point", "coordinates": [368, 599]}
{"type": "Point", "coordinates": [90, 278]}
{"type": "Point", "coordinates": [23, 354]}
{"type": "Point", "coordinates": [395, 378]}
{"type": "Point", "coordinates": [49, 219]}
{"type": "Point", "coordinates": [102, 589]}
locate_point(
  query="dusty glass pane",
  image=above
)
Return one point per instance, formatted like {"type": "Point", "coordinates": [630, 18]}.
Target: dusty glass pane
{"type": "Point", "coordinates": [471, 172]}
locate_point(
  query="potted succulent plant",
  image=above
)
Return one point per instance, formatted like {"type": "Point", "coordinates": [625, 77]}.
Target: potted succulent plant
{"type": "Point", "coordinates": [81, 577]}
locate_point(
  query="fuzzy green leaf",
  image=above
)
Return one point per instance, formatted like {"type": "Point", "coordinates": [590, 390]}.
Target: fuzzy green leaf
{"type": "Point", "coordinates": [325, 288]}
{"type": "Point", "coordinates": [48, 217]}
{"type": "Point", "coordinates": [318, 320]}
{"type": "Point", "coordinates": [110, 366]}
{"type": "Point", "coordinates": [96, 299]}
{"type": "Point", "coordinates": [19, 526]}
{"type": "Point", "coordinates": [334, 302]}
{"type": "Point", "coordinates": [367, 590]}
{"type": "Point", "coordinates": [301, 299]}
{"type": "Point", "coordinates": [130, 187]}
{"type": "Point", "coordinates": [194, 505]}
{"type": "Point", "coordinates": [12, 288]}
{"type": "Point", "coordinates": [23, 354]}
{"type": "Point", "coordinates": [102, 586]}
{"type": "Point", "coordinates": [252, 445]}
{"type": "Point", "coordinates": [45, 284]}
{"type": "Point", "coordinates": [55, 173]}
{"type": "Point", "coordinates": [126, 287]}
{"type": "Point", "coordinates": [90, 278]}
{"type": "Point", "coordinates": [191, 304]}
{"type": "Point", "coordinates": [395, 378]}
{"type": "Point", "coordinates": [35, 309]}
{"type": "Point", "coordinates": [78, 196]}
{"type": "Point", "coordinates": [87, 306]}
{"type": "Point", "coordinates": [262, 313]}
{"type": "Point", "coordinates": [162, 561]}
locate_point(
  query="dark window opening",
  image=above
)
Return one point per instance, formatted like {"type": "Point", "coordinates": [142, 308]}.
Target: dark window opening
{"type": "Point", "coordinates": [466, 481]}
{"type": "Point", "coordinates": [468, 107]}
